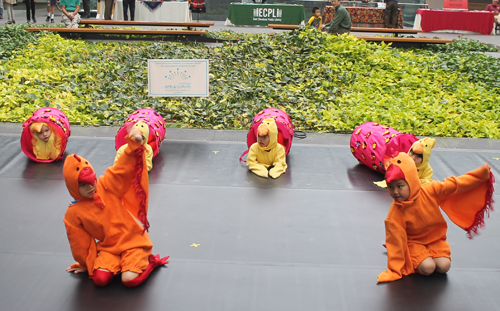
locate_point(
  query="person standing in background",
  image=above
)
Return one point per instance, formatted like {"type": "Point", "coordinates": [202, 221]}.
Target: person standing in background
{"type": "Point", "coordinates": [86, 8]}
{"type": "Point", "coordinates": [391, 13]}
{"type": "Point", "coordinates": [51, 5]}
{"type": "Point", "coordinates": [30, 11]}
{"type": "Point", "coordinates": [10, 11]}
{"type": "Point", "coordinates": [108, 8]}
{"type": "Point", "coordinates": [128, 4]}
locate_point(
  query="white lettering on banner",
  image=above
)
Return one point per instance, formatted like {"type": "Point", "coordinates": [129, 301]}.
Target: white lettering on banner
{"type": "Point", "coordinates": [271, 14]}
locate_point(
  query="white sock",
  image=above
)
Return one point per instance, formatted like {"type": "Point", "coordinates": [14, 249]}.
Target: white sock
{"type": "Point", "coordinates": [52, 16]}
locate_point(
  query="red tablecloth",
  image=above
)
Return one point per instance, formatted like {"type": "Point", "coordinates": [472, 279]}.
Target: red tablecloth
{"type": "Point", "coordinates": [363, 17]}
{"type": "Point", "coordinates": [476, 21]}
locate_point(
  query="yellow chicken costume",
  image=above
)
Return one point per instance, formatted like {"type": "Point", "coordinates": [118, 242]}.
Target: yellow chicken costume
{"type": "Point", "coordinates": [42, 150]}
{"type": "Point", "coordinates": [144, 128]}
{"type": "Point", "coordinates": [260, 159]}
{"type": "Point", "coordinates": [424, 147]}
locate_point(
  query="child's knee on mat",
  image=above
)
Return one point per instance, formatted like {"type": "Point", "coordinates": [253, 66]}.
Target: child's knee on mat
{"type": "Point", "coordinates": [427, 267]}
{"type": "Point", "coordinates": [128, 276]}
{"type": "Point", "coordinates": [443, 264]}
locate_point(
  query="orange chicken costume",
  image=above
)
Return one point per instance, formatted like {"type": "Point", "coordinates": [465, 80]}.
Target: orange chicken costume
{"type": "Point", "coordinates": [111, 217]}
{"type": "Point", "coordinates": [416, 229]}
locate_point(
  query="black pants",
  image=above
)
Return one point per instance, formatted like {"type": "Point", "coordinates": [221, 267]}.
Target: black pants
{"type": "Point", "coordinates": [30, 9]}
{"type": "Point", "coordinates": [108, 8]}
{"type": "Point", "coordinates": [86, 8]}
{"type": "Point", "coordinates": [391, 14]}
{"type": "Point", "coordinates": [126, 5]}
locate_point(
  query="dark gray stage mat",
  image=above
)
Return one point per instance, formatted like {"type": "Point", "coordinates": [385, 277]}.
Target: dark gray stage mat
{"type": "Point", "coordinates": [310, 240]}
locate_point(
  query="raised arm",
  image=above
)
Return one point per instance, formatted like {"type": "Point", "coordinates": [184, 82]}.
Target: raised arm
{"type": "Point", "coordinates": [118, 178]}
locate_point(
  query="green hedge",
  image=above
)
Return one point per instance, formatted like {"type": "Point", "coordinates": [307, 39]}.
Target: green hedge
{"type": "Point", "coordinates": [326, 83]}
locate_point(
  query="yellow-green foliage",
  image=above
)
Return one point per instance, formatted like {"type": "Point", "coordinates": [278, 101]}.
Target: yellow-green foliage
{"type": "Point", "coordinates": [326, 83]}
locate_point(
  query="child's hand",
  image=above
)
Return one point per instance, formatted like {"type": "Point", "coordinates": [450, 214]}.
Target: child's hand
{"type": "Point", "coordinates": [75, 270]}
{"type": "Point", "coordinates": [136, 135]}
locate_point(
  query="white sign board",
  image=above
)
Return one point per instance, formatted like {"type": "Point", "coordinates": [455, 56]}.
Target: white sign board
{"type": "Point", "coordinates": [178, 77]}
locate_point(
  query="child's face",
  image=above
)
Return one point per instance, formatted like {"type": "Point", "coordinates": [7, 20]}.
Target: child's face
{"type": "Point", "coordinates": [263, 140]}
{"type": "Point", "coordinates": [416, 158]}
{"type": "Point", "coordinates": [44, 134]}
{"type": "Point", "coordinates": [317, 13]}
{"type": "Point", "coordinates": [87, 191]}
{"type": "Point", "coordinates": [399, 190]}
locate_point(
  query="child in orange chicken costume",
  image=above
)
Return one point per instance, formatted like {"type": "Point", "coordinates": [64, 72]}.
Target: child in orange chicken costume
{"type": "Point", "coordinates": [416, 229]}
{"type": "Point", "coordinates": [108, 210]}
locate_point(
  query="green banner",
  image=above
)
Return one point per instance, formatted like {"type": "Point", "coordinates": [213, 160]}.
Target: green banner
{"type": "Point", "coordinates": [263, 14]}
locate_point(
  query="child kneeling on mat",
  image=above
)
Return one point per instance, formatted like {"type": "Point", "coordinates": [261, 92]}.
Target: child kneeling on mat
{"type": "Point", "coordinates": [266, 157]}
{"type": "Point", "coordinates": [113, 211]}
{"type": "Point", "coordinates": [416, 229]}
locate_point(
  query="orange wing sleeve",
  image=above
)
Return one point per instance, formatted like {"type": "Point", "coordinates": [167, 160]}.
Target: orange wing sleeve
{"type": "Point", "coordinates": [398, 255]}
{"type": "Point", "coordinates": [83, 247]}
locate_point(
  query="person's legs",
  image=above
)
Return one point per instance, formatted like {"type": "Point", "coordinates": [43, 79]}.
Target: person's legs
{"type": "Point", "coordinates": [28, 10]}
{"type": "Point", "coordinates": [53, 7]}
{"type": "Point", "coordinates": [132, 10]}
{"type": "Point", "coordinates": [134, 262]}
{"type": "Point", "coordinates": [443, 264]}
{"type": "Point", "coordinates": [125, 9]}
{"type": "Point", "coordinates": [65, 20]}
{"type": "Point", "coordinates": [75, 21]}
{"type": "Point", "coordinates": [130, 279]}
{"type": "Point", "coordinates": [427, 266]}
{"type": "Point", "coordinates": [86, 8]}
{"type": "Point", "coordinates": [340, 30]}
{"type": "Point", "coordinates": [1, 9]}
{"type": "Point", "coordinates": [391, 8]}
{"type": "Point", "coordinates": [108, 8]}
{"type": "Point", "coordinates": [387, 15]}
{"type": "Point", "coordinates": [32, 3]}
{"type": "Point", "coordinates": [102, 277]}
{"type": "Point", "coordinates": [394, 14]}
{"type": "Point", "coordinates": [10, 13]}
{"type": "Point", "coordinates": [106, 265]}
{"type": "Point", "coordinates": [48, 11]}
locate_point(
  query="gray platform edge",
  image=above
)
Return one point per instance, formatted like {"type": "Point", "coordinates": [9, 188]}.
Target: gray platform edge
{"type": "Point", "coordinates": [321, 139]}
